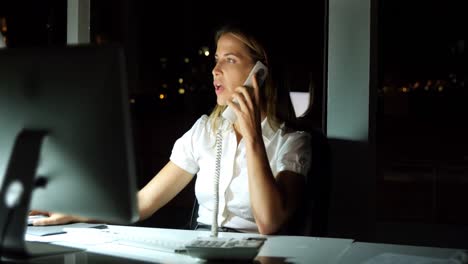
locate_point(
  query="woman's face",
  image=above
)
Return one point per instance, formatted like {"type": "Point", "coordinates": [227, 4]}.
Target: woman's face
{"type": "Point", "coordinates": [233, 64]}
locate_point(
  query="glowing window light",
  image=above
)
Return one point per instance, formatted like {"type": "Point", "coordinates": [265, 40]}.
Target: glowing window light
{"type": "Point", "coordinates": [440, 88]}
{"type": "Point", "coordinates": [404, 89]}
{"type": "Point", "coordinates": [204, 51]}
{"type": "Point", "coordinates": [426, 88]}
{"type": "Point", "coordinates": [132, 101]}
{"type": "Point", "coordinates": [99, 39]}
{"type": "Point", "coordinates": [181, 90]}
{"type": "Point", "coordinates": [164, 85]}
{"type": "Point", "coordinates": [186, 60]}
{"type": "Point", "coordinates": [181, 80]}
{"type": "Point", "coordinates": [162, 96]}
{"type": "Point", "coordinates": [3, 23]}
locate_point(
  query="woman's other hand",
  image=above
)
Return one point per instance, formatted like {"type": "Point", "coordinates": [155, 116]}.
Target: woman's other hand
{"type": "Point", "coordinates": [54, 218]}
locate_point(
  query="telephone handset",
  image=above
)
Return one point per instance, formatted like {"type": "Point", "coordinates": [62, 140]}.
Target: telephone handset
{"type": "Point", "coordinates": [261, 71]}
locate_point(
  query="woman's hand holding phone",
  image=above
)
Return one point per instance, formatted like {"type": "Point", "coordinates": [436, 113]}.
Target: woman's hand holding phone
{"type": "Point", "coordinates": [260, 72]}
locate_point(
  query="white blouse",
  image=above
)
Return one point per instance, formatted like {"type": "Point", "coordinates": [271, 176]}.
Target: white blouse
{"type": "Point", "coordinates": [195, 152]}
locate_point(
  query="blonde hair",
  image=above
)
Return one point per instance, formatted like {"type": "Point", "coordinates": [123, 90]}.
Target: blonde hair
{"type": "Point", "coordinates": [268, 93]}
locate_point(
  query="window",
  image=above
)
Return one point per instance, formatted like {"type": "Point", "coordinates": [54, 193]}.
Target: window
{"type": "Point", "coordinates": [421, 130]}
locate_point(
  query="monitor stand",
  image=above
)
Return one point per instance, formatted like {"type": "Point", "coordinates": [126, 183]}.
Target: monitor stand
{"type": "Point", "coordinates": [15, 198]}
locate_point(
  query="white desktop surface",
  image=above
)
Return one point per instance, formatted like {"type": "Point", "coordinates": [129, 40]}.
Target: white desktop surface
{"type": "Point", "coordinates": [277, 249]}
{"type": "Point", "coordinates": [372, 253]}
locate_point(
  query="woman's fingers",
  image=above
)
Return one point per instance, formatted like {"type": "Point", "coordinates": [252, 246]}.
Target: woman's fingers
{"type": "Point", "coordinates": [36, 212]}
{"type": "Point", "coordinates": [54, 219]}
{"type": "Point", "coordinates": [243, 96]}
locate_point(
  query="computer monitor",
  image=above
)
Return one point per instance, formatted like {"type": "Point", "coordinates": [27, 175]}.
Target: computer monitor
{"type": "Point", "coordinates": [65, 137]}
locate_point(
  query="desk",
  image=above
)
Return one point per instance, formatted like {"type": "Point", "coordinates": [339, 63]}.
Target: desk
{"type": "Point", "coordinates": [277, 249]}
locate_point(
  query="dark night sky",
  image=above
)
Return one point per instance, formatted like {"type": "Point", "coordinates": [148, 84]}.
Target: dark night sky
{"type": "Point", "coordinates": [193, 21]}
{"type": "Point", "coordinates": [190, 24]}
{"type": "Point", "coordinates": [294, 33]}
{"type": "Point", "coordinates": [415, 36]}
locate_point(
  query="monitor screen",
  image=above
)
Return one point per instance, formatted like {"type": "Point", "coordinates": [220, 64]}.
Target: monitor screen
{"type": "Point", "coordinates": [76, 97]}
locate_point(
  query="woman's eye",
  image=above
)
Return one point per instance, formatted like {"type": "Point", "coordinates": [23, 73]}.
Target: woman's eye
{"type": "Point", "coordinates": [230, 60]}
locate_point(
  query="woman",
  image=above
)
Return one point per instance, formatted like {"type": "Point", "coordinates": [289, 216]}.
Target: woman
{"type": "Point", "coordinates": [263, 163]}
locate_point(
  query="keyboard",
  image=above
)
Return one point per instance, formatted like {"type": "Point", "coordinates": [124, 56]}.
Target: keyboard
{"type": "Point", "coordinates": [151, 243]}
{"type": "Point", "coordinates": [133, 239]}
{"type": "Point", "coordinates": [202, 247]}
{"type": "Point", "coordinates": [210, 248]}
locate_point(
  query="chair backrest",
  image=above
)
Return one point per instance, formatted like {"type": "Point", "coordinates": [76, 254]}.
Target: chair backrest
{"type": "Point", "coordinates": [311, 217]}
{"type": "Point", "coordinates": [318, 186]}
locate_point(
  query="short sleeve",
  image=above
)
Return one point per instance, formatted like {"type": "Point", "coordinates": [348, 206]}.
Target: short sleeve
{"type": "Point", "coordinates": [295, 153]}
{"type": "Point", "coordinates": [183, 153]}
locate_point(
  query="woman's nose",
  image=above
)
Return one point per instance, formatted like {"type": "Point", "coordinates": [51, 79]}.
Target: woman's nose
{"type": "Point", "coordinates": [215, 70]}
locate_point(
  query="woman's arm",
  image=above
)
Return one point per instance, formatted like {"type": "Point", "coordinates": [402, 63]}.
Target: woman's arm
{"type": "Point", "coordinates": [161, 189]}
{"type": "Point", "coordinates": [273, 200]}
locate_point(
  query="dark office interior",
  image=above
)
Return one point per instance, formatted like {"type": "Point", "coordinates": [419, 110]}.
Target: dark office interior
{"type": "Point", "coordinates": [418, 141]}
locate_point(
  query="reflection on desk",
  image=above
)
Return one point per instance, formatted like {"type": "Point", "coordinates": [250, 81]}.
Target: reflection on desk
{"type": "Point", "coordinates": [373, 253]}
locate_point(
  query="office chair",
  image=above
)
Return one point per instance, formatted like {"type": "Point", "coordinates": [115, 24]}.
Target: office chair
{"type": "Point", "coordinates": [311, 218]}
